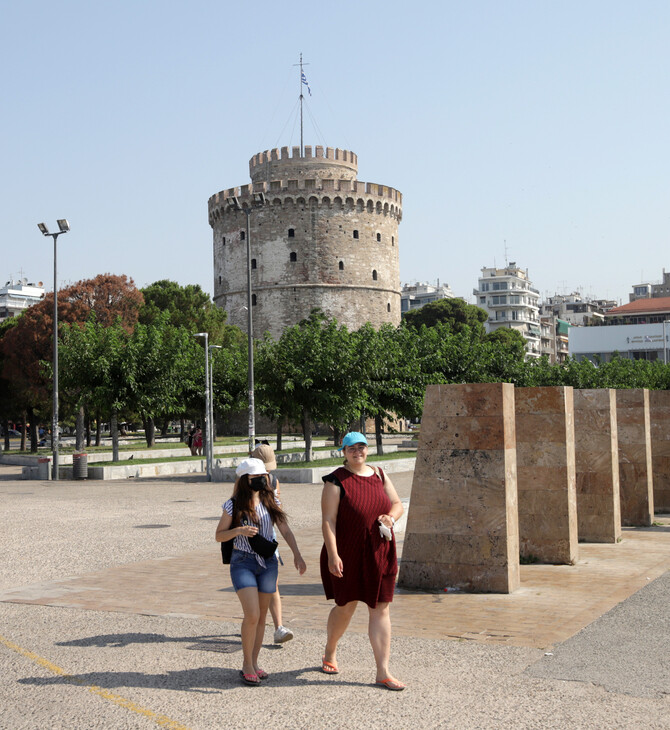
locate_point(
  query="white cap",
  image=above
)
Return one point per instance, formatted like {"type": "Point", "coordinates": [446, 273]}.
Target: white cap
{"type": "Point", "coordinates": [252, 467]}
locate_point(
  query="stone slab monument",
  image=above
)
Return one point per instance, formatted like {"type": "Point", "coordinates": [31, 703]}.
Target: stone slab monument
{"type": "Point", "coordinates": [462, 526]}
{"type": "Point", "coordinates": [545, 454]}
{"type": "Point", "coordinates": [659, 410]}
{"type": "Point", "coordinates": [635, 470]}
{"type": "Point", "coordinates": [597, 465]}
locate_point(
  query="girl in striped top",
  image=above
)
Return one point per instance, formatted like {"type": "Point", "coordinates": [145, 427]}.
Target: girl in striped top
{"type": "Point", "coordinates": [256, 511]}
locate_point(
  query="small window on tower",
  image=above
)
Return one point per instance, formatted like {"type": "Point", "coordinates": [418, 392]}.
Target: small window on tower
{"type": "Point", "coordinates": [355, 234]}
{"type": "Point", "coordinates": [219, 280]}
{"type": "Point", "coordinates": [253, 263]}
{"type": "Point", "coordinates": [294, 256]}
{"type": "Point", "coordinates": [341, 266]}
{"type": "Point", "coordinates": [253, 300]}
{"type": "Point", "coordinates": [223, 241]}
{"type": "Point", "coordinates": [374, 275]}
{"type": "Point", "coordinates": [379, 237]}
{"type": "Point", "coordinates": [392, 240]}
{"type": "Point", "coordinates": [291, 232]}
{"type": "Point", "coordinates": [388, 307]}
{"type": "Point", "coordinates": [242, 235]}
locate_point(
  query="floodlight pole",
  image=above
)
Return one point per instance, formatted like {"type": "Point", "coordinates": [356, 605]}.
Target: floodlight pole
{"type": "Point", "coordinates": [259, 199]}
{"type": "Point", "coordinates": [208, 407]}
{"type": "Point", "coordinates": [64, 228]}
{"type": "Point", "coordinates": [665, 343]}
{"type": "Point", "coordinates": [211, 403]}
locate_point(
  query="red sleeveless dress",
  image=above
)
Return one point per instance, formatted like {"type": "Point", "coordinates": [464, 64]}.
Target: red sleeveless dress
{"type": "Point", "coordinates": [370, 562]}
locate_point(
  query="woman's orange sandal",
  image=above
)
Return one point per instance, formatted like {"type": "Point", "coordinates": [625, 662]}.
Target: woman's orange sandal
{"type": "Point", "coordinates": [391, 684]}
{"type": "Point", "coordinates": [328, 667]}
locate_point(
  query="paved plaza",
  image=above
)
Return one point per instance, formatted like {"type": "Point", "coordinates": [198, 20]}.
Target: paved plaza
{"type": "Point", "coordinates": [115, 612]}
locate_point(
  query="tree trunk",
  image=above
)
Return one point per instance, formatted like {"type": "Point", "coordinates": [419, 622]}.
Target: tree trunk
{"type": "Point", "coordinates": [87, 421]}
{"type": "Point", "coordinates": [379, 427]}
{"type": "Point", "coordinates": [149, 431]}
{"type": "Point", "coordinates": [361, 426]}
{"type": "Point", "coordinates": [280, 423]}
{"type": "Point", "coordinates": [182, 428]}
{"type": "Point", "coordinates": [164, 427]}
{"type": "Point", "coordinates": [80, 435]}
{"type": "Point", "coordinates": [98, 429]}
{"type": "Point", "coordinates": [23, 431]}
{"type": "Point", "coordinates": [5, 426]}
{"type": "Point", "coordinates": [307, 433]}
{"type": "Point", "coordinates": [34, 431]}
{"type": "Point", "coordinates": [115, 437]}
{"type": "Point", "coordinates": [337, 436]}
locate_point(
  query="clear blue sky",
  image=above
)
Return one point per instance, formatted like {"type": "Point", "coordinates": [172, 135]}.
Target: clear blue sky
{"type": "Point", "coordinates": [537, 123]}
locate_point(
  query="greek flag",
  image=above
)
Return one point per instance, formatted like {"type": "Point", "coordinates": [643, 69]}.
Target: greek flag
{"type": "Point", "coordinates": [304, 81]}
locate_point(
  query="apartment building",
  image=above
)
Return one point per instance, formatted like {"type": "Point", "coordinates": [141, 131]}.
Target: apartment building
{"type": "Point", "coordinates": [651, 290]}
{"type": "Point", "coordinates": [414, 296]}
{"type": "Point", "coordinates": [511, 301]}
{"type": "Point", "coordinates": [574, 309]}
{"type": "Point", "coordinates": [17, 295]}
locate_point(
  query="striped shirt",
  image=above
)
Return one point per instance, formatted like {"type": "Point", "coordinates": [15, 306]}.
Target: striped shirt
{"type": "Point", "coordinates": [265, 528]}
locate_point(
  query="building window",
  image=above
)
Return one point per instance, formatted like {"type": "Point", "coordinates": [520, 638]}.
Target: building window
{"type": "Point", "coordinates": [355, 234]}
{"type": "Point", "coordinates": [223, 241]}
{"type": "Point", "coordinates": [498, 285]}
{"type": "Point", "coordinates": [485, 286]}
{"type": "Point", "coordinates": [499, 300]}
{"type": "Point", "coordinates": [392, 240]}
{"type": "Point", "coordinates": [374, 275]}
{"type": "Point", "coordinates": [253, 263]}
{"type": "Point", "coordinates": [291, 232]}
{"type": "Point", "coordinates": [294, 256]}
{"type": "Point", "coordinates": [253, 300]}
{"type": "Point", "coordinates": [341, 265]}
{"type": "Point", "coordinates": [379, 237]}
{"type": "Point", "coordinates": [482, 300]}
{"type": "Point", "coordinates": [243, 235]}
{"type": "Point", "coordinates": [219, 280]}
{"type": "Point", "coordinates": [388, 307]}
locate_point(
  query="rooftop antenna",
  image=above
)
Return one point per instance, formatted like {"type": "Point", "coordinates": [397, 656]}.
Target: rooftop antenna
{"type": "Point", "coordinates": [506, 259]}
{"type": "Point", "coordinates": [303, 82]}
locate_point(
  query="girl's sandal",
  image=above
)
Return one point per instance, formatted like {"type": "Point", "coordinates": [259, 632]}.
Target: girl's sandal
{"type": "Point", "coordinates": [251, 679]}
{"type": "Point", "coordinates": [391, 684]}
{"type": "Point", "coordinates": [262, 674]}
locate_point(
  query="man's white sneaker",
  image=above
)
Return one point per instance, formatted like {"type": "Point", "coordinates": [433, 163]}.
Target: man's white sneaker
{"type": "Point", "coordinates": [283, 634]}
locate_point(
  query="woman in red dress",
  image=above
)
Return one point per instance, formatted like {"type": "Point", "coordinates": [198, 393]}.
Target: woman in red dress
{"type": "Point", "coordinates": [358, 562]}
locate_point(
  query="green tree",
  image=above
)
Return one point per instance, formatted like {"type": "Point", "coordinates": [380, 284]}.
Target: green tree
{"type": "Point", "coordinates": [456, 313]}
{"type": "Point", "coordinates": [309, 371]}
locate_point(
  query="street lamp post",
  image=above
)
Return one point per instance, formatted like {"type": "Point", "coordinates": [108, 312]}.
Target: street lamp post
{"type": "Point", "coordinates": [665, 343]}
{"type": "Point", "coordinates": [208, 435]}
{"type": "Point", "coordinates": [64, 227]}
{"type": "Point", "coordinates": [211, 403]}
{"type": "Point", "coordinates": [233, 202]}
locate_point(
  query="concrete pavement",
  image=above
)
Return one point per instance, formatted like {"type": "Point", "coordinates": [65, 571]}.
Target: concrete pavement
{"type": "Point", "coordinates": [115, 611]}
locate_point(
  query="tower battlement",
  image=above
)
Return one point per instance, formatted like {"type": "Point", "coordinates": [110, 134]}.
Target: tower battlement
{"type": "Point", "coordinates": [328, 162]}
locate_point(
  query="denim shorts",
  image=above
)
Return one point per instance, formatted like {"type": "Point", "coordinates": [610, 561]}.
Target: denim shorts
{"type": "Point", "coordinates": [246, 572]}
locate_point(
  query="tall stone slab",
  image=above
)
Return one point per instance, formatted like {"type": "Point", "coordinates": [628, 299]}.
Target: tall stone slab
{"type": "Point", "coordinates": [659, 410]}
{"type": "Point", "coordinates": [597, 465]}
{"type": "Point", "coordinates": [462, 525]}
{"type": "Point", "coordinates": [545, 454]}
{"type": "Point", "coordinates": [635, 469]}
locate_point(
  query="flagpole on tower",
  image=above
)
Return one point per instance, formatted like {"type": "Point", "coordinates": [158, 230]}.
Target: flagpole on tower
{"type": "Point", "coordinates": [303, 81]}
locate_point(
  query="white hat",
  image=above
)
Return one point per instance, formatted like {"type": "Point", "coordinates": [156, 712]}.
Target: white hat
{"type": "Point", "coordinates": [252, 467]}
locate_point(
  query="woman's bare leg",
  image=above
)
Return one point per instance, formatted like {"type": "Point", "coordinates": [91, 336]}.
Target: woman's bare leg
{"type": "Point", "coordinates": [263, 603]}
{"type": "Point", "coordinates": [338, 621]}
{"type": "Point", "coordinates": [379, 631]}
{"type": "Point", "coordinates": [250, 600]}
{"type": "Point", "coordinates": [275, 608]}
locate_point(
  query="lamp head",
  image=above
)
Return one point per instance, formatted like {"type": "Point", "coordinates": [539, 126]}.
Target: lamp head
{"type": "Point", "coordinates": [63, 225]}
{"type": "Point", "coordinates": [43, 228]}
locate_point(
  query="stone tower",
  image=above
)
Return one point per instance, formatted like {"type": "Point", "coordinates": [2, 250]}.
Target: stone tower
{"type": "Point", "coordinates": [320, 239]}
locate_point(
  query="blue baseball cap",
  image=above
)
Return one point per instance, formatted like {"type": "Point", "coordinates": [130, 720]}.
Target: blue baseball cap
{"type": "Point", "coordinates": [353, 437]}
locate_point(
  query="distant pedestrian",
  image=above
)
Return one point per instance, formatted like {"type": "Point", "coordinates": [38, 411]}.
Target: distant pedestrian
{"type": "Point", "coordinates": [197, 442]}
